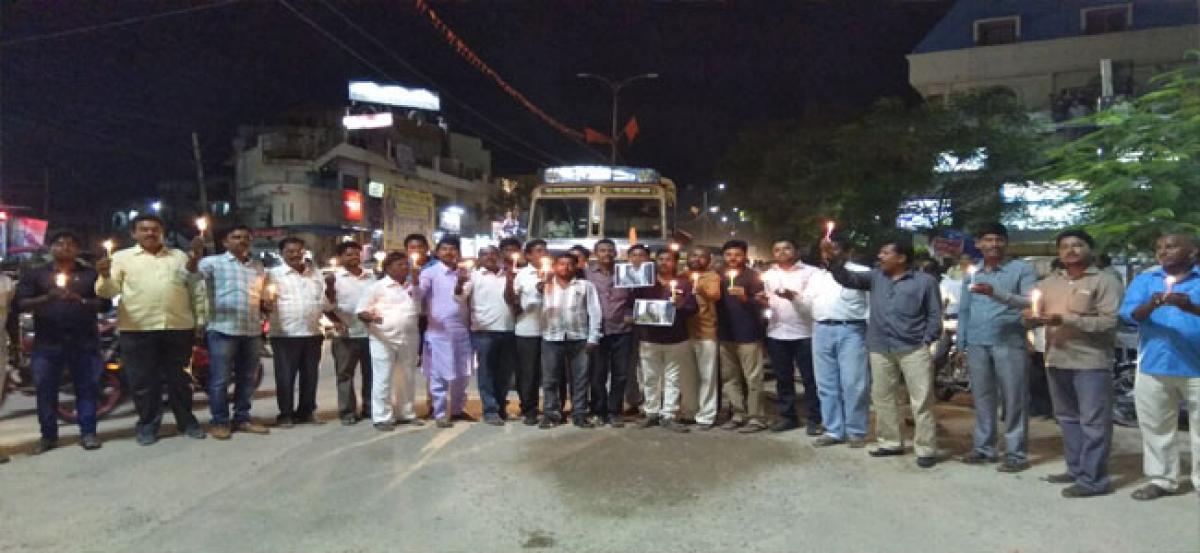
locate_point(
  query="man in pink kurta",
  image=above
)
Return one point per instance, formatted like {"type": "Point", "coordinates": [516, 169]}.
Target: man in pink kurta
{"type": "Point", "coordinates": [448, 355]}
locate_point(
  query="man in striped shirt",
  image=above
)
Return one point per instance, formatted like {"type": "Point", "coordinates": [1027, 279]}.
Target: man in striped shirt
{"type": "Point", "coordinates": [571, 319]}
{"type": "Point", "coordinates": [296, 305]}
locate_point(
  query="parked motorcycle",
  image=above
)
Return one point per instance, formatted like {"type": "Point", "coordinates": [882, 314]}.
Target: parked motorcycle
{"type": "Point", "coordinates": [199, 369]}
{"type": "Point", "coordinates": [950, 365]}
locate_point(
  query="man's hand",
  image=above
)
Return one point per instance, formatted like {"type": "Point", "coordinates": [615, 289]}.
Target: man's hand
{"type": "Point", "coordinates": [982, 289]}
{"type": "Point", "coordinates": [1042, 319]}
{"type": "Point", "coordinates": [104, 267]}
{"type": "Point", "coordinates": [830, 252]}
{"type": "Point", "coordinates": [738, 292]}
{"type": "Point", "coordinates": [1182, 301]}
{"type": "Point", "coordinates": [763, 299]}
{"type": "Point", "coordinates": [786, 294]}
{"type": "Point", "coordinates": [198, 246]}
{"type": "Point", "coordinates": [370, 317]}
{"type": "Point", "coordinates": [463, 276]}
{"type": "Point", "coordinates": [541, 287]}
{"type": "Point", "coordinates": [58, 293]}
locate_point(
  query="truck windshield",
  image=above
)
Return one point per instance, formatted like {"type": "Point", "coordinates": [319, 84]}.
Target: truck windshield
{"type": "Point", "coordinates": [644, 214]}
{"type": "Point", "coordinates": [560, 218]}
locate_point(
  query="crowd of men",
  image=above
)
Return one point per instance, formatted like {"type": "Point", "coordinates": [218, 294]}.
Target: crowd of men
{"type": "Point", "coordinates": [561, 328]}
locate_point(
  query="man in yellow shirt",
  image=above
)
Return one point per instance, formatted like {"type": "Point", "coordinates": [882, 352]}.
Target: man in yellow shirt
{"type": "Point", "coordinates": [157, 316]}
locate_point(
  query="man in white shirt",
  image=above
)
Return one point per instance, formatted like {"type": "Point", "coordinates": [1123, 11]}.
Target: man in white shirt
{"type": "Point", "coordinates": [351, 348]}
{"type": "Point", "coordinates": [492, 297]}
{"type": "Point", "coordinates": [789, 336]}
{"type": "Point", "coordinates": [840, 355]}
{"type": "Point", "coordinates": [297, 303]}
{"type": "Point", "coordinates": [571, 318]}
{"type": "Point", "coordinates": [528, 329]}
{"type": "Point", "coordinates": [391, 309]}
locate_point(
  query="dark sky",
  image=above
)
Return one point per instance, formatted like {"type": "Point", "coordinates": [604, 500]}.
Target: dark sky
{"type": "Point", "coordinates": [109, 112]}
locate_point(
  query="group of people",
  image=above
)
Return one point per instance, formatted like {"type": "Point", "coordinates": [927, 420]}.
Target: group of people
{"type": "Point", "coordinates": [561, 329]}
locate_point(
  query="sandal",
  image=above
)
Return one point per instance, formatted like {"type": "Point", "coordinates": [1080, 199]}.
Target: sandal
{"type": "Point", "coordinates": [1150, 492]}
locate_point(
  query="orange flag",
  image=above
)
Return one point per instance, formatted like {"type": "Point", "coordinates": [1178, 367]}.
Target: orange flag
{"type": "Point", "coordinates": [593, 136]}
{"type": "Point", "coordinates": [631, 129]}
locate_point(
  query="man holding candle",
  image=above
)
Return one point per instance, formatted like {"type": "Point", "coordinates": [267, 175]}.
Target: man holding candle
{"type": "Point", "coordinates": [528, 329]}
{"type": "Point", "coordinates": [157, 316]}
{"type": "Point", "coordinates": [1079, 305]}
{"type": "Point", "coordinates": [664, 351]}
{"type": "Point", "coordinates": [905, 319]}
{"type": "Point", "coordinates": [391, 308]}
{"type": "Point", "coordinates": [298, 301]}
{"type": "Point", "coordinates": [990, 330]}
{"type": "Point", "coordinates": [447, 352]}
{"type": "Point", "coordinates": [351, 348]}
{"type": "Point", "coordinates": [1164, 303]}
{"type": "Point", "coordinates": [698, 389]}
{"type": "Point", "coordinates": [789, 336]}
{"type": "Point", "coordinates": [571, 322]}
{"type": "Point", "coordinates": [740, 328]}
{"type": "Point", "coordinates": [613, 357]}
{"type": "Point", "coordinates": [235, 283]}
{"type": "Point", "coordinates": [62, 297]}
{"type": "Point", "coordinates": [492, 298]}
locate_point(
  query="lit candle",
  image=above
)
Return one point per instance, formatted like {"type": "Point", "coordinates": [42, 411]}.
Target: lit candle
{"type": "Point", "coordinates": [516, 258]}
{"type": "Point", "coordinates": [546, 263]}
{"type": "Point", "coordinates": [767, 313]}
{"type": "Point", "coordinates": [673, 285]}
{"type": "Point", "coordinates": [1036, 300]}
{"type": "Point", "coordinates": [202, 224]}
{"type": "Point", "coordinates": [333, 263]}
{"type": "Point", "coordinates": [380, 256]}
{"type": "Point", "coordinates": [632, 236]}
{"type": "Point", "coordinates": [971, 271]}
{"type": "Point", "coordinates": [412, 258]}
{"type": "Point", "coordinates": [1170, 284]}
{"type": "Point", "coordinates": [468, 264]}
{"type": "Point", "coordinates": [271, 292]}
{"type": "Point", "coordinates": [61, 280]}
{"type": "Point", "coordinates": [829, 226]}
{"type": "Point", "coordinates": [674, 247]}
{"type": "Point", "coordinates": [732, 274]}
{"type": "Point", "coordinates": [695, 281]}
{"type": "Point", "coordinates": [108, 248]}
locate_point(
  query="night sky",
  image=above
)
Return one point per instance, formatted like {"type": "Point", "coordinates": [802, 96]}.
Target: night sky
{"type": "Point", "coordinates": [109, 112]}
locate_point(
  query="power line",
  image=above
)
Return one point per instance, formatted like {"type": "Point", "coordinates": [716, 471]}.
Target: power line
{"type": "Point", "coordinates": [310, 22]}
{"type": "Point", "coordinates": [115, 24]}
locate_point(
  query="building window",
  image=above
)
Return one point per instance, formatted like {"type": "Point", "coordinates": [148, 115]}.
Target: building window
{"type": "Point", "coordinates": [1000, 30]}
{"type": "Point", "coordinates": [1106, 19]}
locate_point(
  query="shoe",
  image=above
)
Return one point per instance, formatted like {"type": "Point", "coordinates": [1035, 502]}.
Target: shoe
{"type": "Point", "coordinates": [857, 443]}
{"type": "Point", "coordinates": [583, 423]}
{"type": "Point", "coordinates": [976, 458]}
{"type": "Point", "coordinates": [1011, 466]}
{"type": "Point", "coordinates": [886, 452]}
{"type": "Point", "coordinates": [90, 441]}
{"type": "Point", "coordinates": [926, 462]}
{"type": "Point", "coordinates": [284, 422]}
{"type": "Point", "coordinates": [752, 428]}
{"type": "Point", "coordinates": [493, 420]}
{"type": "Point", "coordinates": [1151, 492]}
{"type": "Point", "coordinates": [1075, 491]}
{"type": "Point", "coordinates": [783, 425]}
{"type": "Point", "coordinates": [411, 422]}
{"type": "Point", "coordinates": [220, 431]}
{"type": "Point", "coordinates": [444, 423]}
{"type": "Point", "coordinates": [44, 445]}
{"type": "Point", "coordinates": [384, 426]}
{"type": "Point", "coordinates": [814, 429]}
{"type": "Point", "coordinates": [732, 424]}
{"type": "Point", "coordinates": [195, 432]}
{"type": "Point", "coordinates": [826, 441]}
{"type": "Point", "coordinates": [309, 419]}
{"type": "Point", "coordinates": [648, 422]}
{"type": "Point", "coordinates": [531, 419]}
{"type": "Point", "coordinates": [349, 420]}
{"type": "Point", "coordinates": [547, 423]}
{"type": "Point", "coordinates": [251, 427]}
{"type": "Point", "coordinates": [463, 416]}
{"type": "Point", "coordinates": [1062, 478]}
{"type": "Point", "coordinates": [674, 426]}
{"type": "Point", "coordinates": [616, 422]}
{"type": "Point", "coordinates": [147, 437]}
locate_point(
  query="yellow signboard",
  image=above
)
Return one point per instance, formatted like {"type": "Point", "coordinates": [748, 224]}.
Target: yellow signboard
{"type": "Point", "coordinates": [406, 212]}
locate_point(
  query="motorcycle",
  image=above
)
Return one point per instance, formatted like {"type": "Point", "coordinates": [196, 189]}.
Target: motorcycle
{"type": "Point", "coordinates": [950, 365]}
{"type": "Point", "coordinates": [199, 370]}
{"type": "Point", "coordinates": [112, 380]}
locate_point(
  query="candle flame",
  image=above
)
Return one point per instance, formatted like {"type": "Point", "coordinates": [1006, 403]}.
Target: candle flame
{"type": "Point", "coordinates": [1035, 299]}
{"type": "Point", "coordinates": [202, 224]}
{"type": "Point", "coordinates": [632, 236]}
{"type": "Point", "coordinates": [674, 247]}
{"type": "Point", "coordinates": [61, 280]}
{"type": "Point", "coordinates": [829, 226]}
{"type": "Point", "coordinates": [108, 247]}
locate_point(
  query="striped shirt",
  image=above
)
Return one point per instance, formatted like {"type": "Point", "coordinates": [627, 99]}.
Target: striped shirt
{"type": "Point", "coordinates": [300, 302]}
{"type": "Point", "coordinates": [235, 290]}
{"type": "Point", "coordinates": [571, 312]}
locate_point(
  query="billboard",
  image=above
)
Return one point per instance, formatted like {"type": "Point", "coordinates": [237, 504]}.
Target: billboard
{"type": "Point", "coordinates": [394, 95]}
{"type": "Point", "coordinates": [405, 212]}
{"type": "Point", "coordinates": [29, 232]}
{"type": "Point", "coordinates": [352, 205]}
{"type": "Point", "coordinates": [368, 121]}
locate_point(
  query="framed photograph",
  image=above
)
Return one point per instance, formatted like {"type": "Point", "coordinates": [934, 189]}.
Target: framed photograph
{"type": "Point", "coordinates": [654, 312]}
{"type": "Point", "coordinates": [629, 276]}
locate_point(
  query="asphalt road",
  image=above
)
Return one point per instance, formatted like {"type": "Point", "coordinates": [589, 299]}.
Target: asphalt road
{"type": "Point", "coordinates": [475, 487]}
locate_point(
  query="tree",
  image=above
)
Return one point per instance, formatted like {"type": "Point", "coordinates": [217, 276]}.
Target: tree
{"type": "Point", "coordinates": [1140, 169]}
{"type": "Point", "coordinates": [794, 177]}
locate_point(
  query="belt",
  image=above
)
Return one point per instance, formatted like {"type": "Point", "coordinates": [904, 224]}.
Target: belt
{"type": "Point", "coordinates": [842, 323]}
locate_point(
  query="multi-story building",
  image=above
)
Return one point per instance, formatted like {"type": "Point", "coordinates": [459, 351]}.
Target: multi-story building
{"type": "Point", "coordinates": [1048, 53]}
{"type": "Point", "coordinates": [312, 178]}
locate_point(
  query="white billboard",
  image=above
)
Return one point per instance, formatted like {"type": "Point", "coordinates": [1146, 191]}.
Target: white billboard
{"type": "Point", "coordinates": [368, 121]}
{"type": "Point", "coordinates": [394, 95]}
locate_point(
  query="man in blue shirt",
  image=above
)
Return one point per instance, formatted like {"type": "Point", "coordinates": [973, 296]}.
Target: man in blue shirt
{"type": "Point", "coordinates": [989, 327]}
{"type": "Point", "coordinates": [62, 297]}
{"type": "Point", "coordinates": [1164, 303]}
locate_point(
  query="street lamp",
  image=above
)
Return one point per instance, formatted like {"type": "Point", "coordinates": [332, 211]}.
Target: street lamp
{"type": "Point", "coordinates": [615, 87]}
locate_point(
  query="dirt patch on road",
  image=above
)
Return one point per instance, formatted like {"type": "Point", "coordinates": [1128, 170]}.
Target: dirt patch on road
{"type": "Point", "coordinates": [617, 473]}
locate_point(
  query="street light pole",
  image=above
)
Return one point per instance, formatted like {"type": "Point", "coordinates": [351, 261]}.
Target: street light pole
{"type": "Point", "coordinates": [615, 87]}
